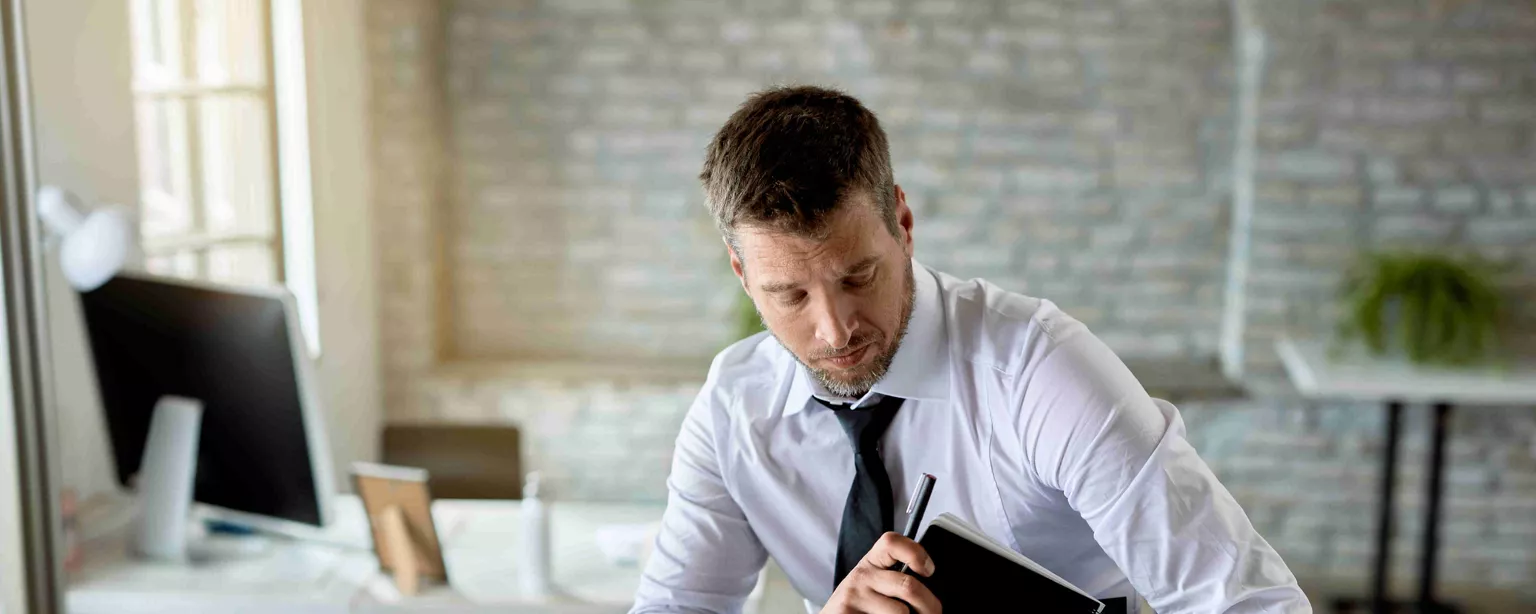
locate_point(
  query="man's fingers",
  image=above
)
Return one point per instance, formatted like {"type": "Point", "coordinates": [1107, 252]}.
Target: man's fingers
{"type": "Point", "coordinates": [880, 604]}
{"type": "Point", "coordinates": [897, 585]}
{"type": "Point", "coordinates": [874, 588]}
{"type": "Point", "coordinates": [893, 549]}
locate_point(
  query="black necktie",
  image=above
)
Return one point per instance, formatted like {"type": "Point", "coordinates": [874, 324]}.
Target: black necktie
{"type": "Point", "coordinates": [868, 513]}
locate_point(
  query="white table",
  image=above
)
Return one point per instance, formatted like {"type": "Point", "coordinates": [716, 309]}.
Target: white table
{"type": "Point", "coordinates": [339, 573]}
{"type": "Point", "coordinates": [1356, 376]}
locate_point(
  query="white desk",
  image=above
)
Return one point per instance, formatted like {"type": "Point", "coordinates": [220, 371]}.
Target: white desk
{"type": "Point", "coordinates": [1357, 376]}
{"type": "Point", "coordinates": [480, 544]}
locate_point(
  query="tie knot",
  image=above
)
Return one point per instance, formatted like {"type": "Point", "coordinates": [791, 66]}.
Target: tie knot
{"type": "Point", "coordinates": [865, 426]}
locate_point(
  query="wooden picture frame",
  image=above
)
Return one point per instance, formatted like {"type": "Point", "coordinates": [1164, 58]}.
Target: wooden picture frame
{"type": "Point", "coordinates": [399, 507]}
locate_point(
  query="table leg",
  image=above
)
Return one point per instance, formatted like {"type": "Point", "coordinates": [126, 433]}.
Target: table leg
{"type": "Point", "coordinates": [1379, 604]}
{"type": "Point", "coordinates": [1431, 539]}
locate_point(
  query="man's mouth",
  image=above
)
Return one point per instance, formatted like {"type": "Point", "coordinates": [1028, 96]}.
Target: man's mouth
{"type": "Point", "coordinates": [849, 359]}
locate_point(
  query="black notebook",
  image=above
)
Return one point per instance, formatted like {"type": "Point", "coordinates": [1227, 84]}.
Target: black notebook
{"type": "Point", "coordinates": [973, 573]}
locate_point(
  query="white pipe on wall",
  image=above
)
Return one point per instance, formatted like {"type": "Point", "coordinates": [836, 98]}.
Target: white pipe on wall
{"type": "Point", "coordinates": [1248, 42]}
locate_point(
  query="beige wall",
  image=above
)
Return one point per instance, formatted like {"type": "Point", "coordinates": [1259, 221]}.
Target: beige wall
{"type": "Point", "coordinates": [344, 260]}
{"type": "Point", "coordinates": [83, 124]}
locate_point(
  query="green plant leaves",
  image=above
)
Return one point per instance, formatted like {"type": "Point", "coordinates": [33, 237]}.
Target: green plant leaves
{"type": "Point", "coordinates": [1430, 307]}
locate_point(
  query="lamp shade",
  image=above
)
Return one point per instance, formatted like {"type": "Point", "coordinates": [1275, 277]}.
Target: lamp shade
{"type": "Point", "coordinates": [94, 246]}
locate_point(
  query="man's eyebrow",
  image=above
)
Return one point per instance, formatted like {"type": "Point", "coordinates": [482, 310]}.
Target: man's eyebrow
{"type": "Point", "coordinates": [785, 286]}
{"type": "Point", "coordinates": [779, 286]}
{"type": "Point", "coordinates": [860, 266]}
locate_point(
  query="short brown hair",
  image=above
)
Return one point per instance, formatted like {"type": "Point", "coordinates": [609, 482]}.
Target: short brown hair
{"type": "Point", "coordinates": [790, 155]}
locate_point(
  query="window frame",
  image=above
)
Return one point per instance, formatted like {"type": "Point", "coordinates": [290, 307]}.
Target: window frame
{"type": "Point", "coordinates": [172, 74]}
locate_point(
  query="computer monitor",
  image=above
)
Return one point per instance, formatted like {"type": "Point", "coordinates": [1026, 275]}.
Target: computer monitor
{"type": "Point", "coordinates": [262, 456]}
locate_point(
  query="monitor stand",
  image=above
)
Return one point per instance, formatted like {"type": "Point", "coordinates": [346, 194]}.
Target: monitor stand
{"type": "Point", "coordinates": [207, 549]}
{"type": "Point", "coordinates": [165, 480]}
{"type": "Point", "coordinates": [163, 529]}
{"type": "Point", "coordinates": [166, 528]}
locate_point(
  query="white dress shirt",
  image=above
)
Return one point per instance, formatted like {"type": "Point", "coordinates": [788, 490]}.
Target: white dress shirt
{"type": "Point", "coordinates": [1037, 433]}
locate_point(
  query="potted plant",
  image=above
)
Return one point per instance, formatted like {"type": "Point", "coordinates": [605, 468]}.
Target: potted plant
{"type": "Point", "coordinates": [1432, 308]}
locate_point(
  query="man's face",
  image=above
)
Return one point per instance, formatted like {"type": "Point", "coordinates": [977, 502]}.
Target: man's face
{"type": "Point", "coordinates": [841, 304]}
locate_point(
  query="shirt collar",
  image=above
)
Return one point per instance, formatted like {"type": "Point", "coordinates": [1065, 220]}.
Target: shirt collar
{"type": "Point", "coordinates": [920, 369]}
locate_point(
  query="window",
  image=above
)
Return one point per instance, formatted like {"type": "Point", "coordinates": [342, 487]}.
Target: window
{"type": "Point", "coordinates": [203, 91]}
{"type": "Point", "coordinates": [223, 151]}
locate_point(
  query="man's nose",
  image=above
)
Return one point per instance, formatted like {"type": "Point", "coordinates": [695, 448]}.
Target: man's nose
{"type": "Point", "coordinates": [834, 322]}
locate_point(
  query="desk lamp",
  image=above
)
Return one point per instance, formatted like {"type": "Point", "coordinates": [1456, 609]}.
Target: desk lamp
{"type": "Point", "coordinates": [94, 244]}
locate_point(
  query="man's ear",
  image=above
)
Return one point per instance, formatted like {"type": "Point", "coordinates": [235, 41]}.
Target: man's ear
{"type": "Point", "coordinates": [736, 266]}
{"type": "Point", "coordinates": [904, 221]}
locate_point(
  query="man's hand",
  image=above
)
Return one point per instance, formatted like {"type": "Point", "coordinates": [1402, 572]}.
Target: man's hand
{"type": "Point", "coordinates": [872, 588]}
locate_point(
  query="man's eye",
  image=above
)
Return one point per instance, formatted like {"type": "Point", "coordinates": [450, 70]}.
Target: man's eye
{"type": "Point", "coordinates": [793, 299]}
{"type": "Point", "coordinates": [861, 281]}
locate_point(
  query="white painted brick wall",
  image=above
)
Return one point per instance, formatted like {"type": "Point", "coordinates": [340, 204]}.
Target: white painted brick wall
{"type": "Point", "coordinates": [988, 111]}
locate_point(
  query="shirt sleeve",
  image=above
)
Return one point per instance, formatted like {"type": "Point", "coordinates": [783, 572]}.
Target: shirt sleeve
{"type": "Point", "coordinates": [706, 557]}
{"type": "Point", "coordinates": [1121, 460]}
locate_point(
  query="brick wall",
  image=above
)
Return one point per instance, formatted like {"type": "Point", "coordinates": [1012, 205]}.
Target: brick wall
{"type": "Point", "coordinates": [1384, 124]}
{"type": "Point", "coordinates": [407, 159]}
{"type": "Point", "coordinates": [1039, 147]}
{"type": "Point", "coordinates": [535, 171]}
{"type": "Point", "coordinates": [603, 439]}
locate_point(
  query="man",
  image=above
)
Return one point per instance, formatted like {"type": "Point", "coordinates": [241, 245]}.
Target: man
{"type": "Point", "coordinates": [879, 369]}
